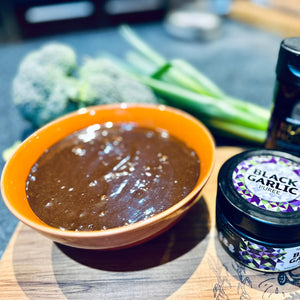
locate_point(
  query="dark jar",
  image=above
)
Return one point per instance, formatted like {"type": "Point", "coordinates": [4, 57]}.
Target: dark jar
{"type": "Point", "coordinates": [284, 126]}
{"type": "Point", "coordinates": [258, 209]}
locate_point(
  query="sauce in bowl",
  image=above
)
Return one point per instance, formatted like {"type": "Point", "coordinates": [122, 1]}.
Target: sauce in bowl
{"type": "Point", "coordinates": [110, 175]}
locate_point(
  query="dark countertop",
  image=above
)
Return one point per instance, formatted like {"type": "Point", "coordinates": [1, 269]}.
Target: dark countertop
{"type": "Point", "coordinates": [241, 61]}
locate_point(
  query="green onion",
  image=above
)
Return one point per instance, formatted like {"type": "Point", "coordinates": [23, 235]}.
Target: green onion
{"type": "Point", "coordinates": [181, 85]}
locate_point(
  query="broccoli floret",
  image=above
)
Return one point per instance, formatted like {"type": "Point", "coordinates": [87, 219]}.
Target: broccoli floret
{"type": "Point", "coordinates": [105, 83]}
{"type": "Point", "coordinates": [49, 83]}
{"type": "Point", "coordinates": [43, 88]}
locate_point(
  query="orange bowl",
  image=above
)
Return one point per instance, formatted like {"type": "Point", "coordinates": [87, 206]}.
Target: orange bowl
{"type": "Point", "coordinates": [176, 122]}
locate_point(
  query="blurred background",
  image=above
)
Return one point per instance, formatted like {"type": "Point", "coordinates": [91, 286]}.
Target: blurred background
{"type": "Point", "coordinates": [30, 18]}
{"type": "Point", "coordinates": [23, 19]}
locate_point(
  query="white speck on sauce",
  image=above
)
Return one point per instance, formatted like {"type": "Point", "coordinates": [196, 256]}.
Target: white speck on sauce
{"type": "Point", "coordinates": [93, 183]}
{"type": "Point", "coordinates": [104, 198]}
{"type": "Point", "coordinates": [82, 214]}
{"type": "Point", "coordinates": [162, 157]}
{"type": "Point", "coordinates": [104, 133]}
{"type": "Point", "coordinates": [79, 151]}
{"type": "Point", "coordinates": [149, 211]}
{"type": "Point", "coordinates": [149, 134]}
{"type": "Point", "coordinates": [165, 134]}
{"type": "Point", "coordinates": [131, 168]}
{"type": "Point", "coordinates": [121, 163]}
{"type": "Point", "coordinates": [141, 201]}
{"type": "Point", "coordinates": [102, 214]}
{"type": "Point", "coordinates": [34, 168]}
{"type": "Point", "coordinates": [31, 177]}
{"type": "Point", "coordinates": [89, 133]}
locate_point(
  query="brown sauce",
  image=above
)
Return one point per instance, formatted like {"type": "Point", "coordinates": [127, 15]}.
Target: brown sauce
{"type": "Point", "coordinates": [110, 175]}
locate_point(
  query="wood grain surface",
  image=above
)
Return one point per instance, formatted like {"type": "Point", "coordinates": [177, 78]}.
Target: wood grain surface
{"type": "Point", "coordinates": [187, 262]}
{"type": "Point", "coordinates": [279, 16]}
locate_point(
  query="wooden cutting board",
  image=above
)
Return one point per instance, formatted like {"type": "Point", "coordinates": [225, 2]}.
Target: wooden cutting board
{"type": "Point", "coordinates": [280, 16]}
{"type": "Point", "coordinates": [187, 262]}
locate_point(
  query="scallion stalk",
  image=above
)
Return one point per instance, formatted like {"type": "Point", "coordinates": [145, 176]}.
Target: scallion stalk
{"type": "Point", "coordinates": [183, 86]}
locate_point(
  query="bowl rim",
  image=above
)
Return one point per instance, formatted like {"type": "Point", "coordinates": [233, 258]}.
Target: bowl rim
{"type": "Point", "coordinates": [50, 230]}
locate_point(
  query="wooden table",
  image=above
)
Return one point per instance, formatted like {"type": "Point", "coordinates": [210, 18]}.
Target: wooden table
{"type": "Point", "coordinates": [187, 262]}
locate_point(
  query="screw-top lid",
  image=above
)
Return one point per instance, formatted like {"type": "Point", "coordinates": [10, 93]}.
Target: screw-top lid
{"type": "Point", "coordinates": [288, 63]}
{"type": "Point", "coordinates": [259, 194]}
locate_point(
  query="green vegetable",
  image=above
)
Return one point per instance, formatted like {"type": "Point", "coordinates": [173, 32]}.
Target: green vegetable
{"type": "Point", "coordinates": [7, 153]}
{"type": "Point", "coordinates": [43, 88]}
{"type": "Point", "coordinates": [50, 83]}
{"type": "Point", "coordinates": [183, 86]}
{"type": "Point", "coordinates": [105, 83]}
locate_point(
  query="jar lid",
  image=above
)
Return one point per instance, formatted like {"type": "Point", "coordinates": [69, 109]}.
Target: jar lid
{"type": "Point", "coordinates": [259, 194]}
{"type": "Point", "coordinates": [288, 63]}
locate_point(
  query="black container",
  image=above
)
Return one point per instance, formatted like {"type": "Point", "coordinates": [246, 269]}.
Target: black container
{"type": "Point", "coordinates": [258, 209]}
{"type": "Point", "coordinates": [284, 126]}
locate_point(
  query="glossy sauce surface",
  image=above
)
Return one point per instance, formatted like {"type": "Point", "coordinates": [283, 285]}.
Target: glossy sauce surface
{"type": "Point", "coordinates": [110, 175]}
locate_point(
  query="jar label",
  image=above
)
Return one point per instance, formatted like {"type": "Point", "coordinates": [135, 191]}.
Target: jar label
{"type": "Point", "coordinates": [268, 258]}
{"type": "Point", "coordinates": [257, 256]}
{"type": "Point", "coordinates": [286, 136]}
{"type": "Point", "coordinates": [269, 182]}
